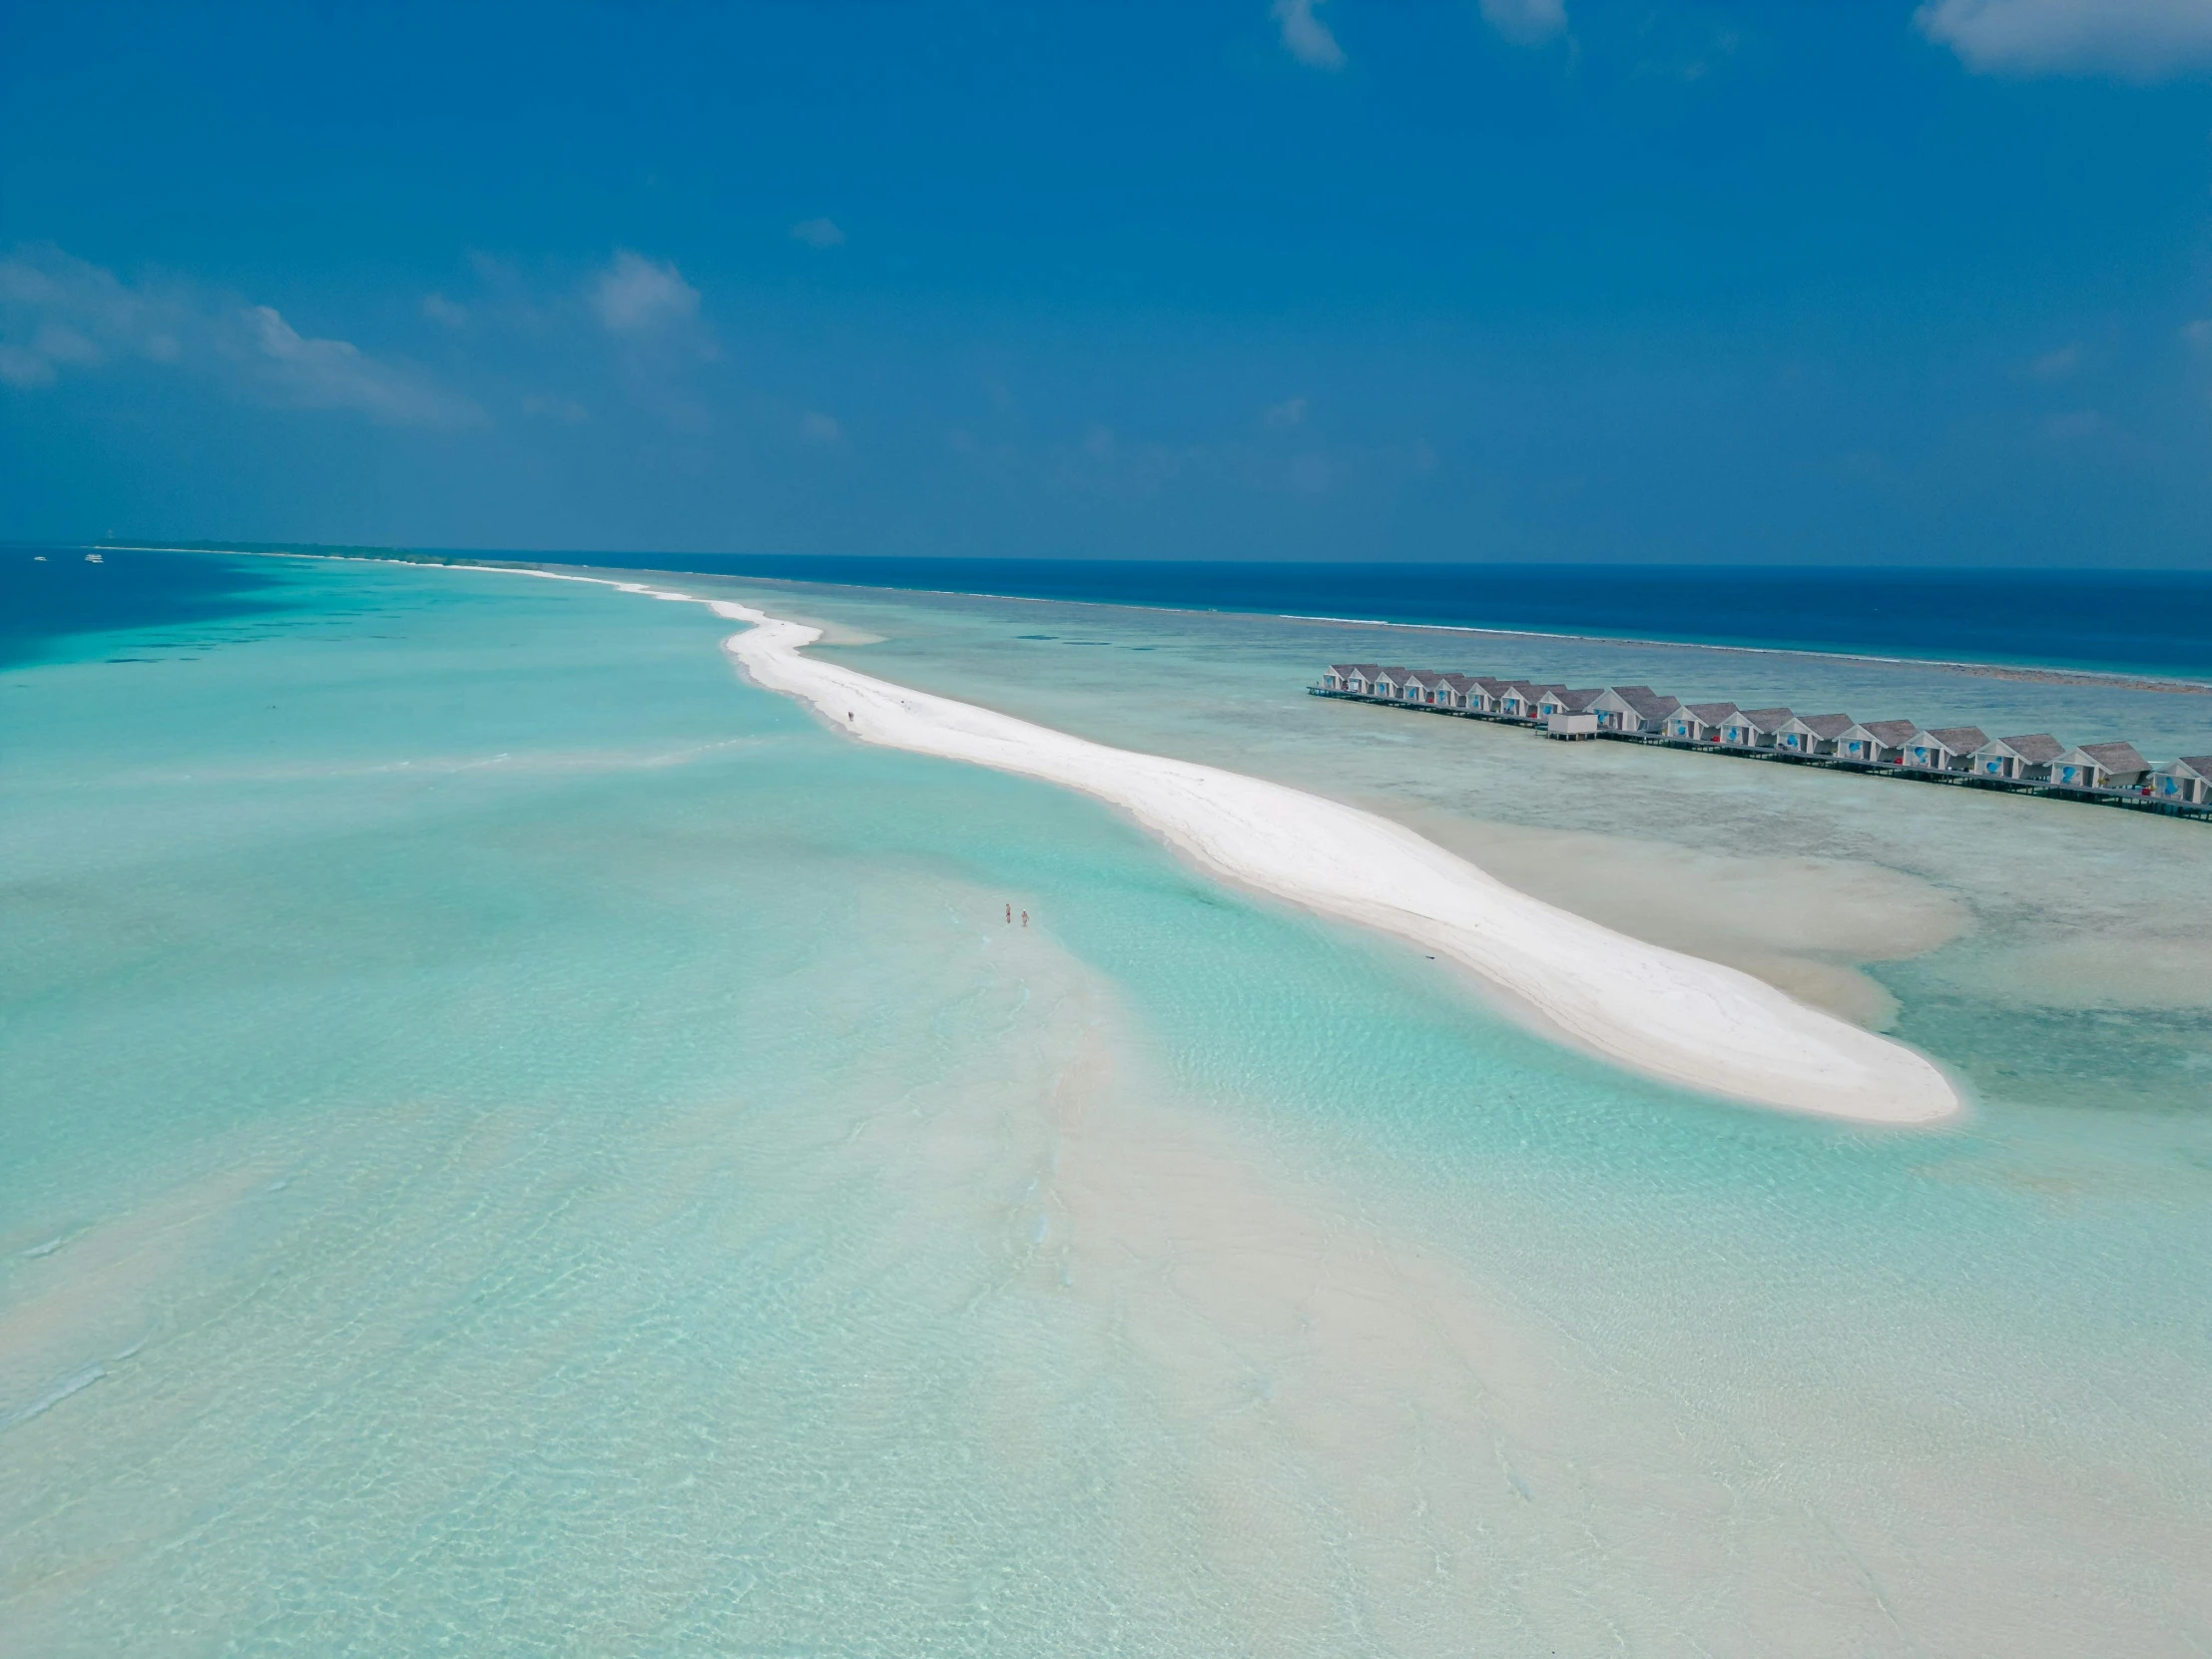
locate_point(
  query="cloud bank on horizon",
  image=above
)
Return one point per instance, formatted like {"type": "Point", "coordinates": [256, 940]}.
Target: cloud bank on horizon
{"type": "Point", "coordinates": [1502, 279]}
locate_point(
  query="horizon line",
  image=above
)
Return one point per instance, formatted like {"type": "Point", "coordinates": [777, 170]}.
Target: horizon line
{"type": "Point", "coordinates": [2119, 678]}
{"type": "Point", "coordinates": [210, 545]}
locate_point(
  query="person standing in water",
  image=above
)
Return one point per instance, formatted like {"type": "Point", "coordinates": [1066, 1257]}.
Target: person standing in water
{"type": "Point", "coordinates": [1025, 918]}
{"type": "Point", "coordinates": [1009, 915]}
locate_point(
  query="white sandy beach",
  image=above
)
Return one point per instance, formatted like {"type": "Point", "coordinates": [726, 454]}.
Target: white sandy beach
{"type": "Point", "coordinates": [1655, 1011]}
{"type": "Point", "coordinates": [1658, 1012]}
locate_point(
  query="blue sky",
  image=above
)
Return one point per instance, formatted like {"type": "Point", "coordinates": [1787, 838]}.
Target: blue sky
{"type": "Point", "coordinates": [1868, 282]}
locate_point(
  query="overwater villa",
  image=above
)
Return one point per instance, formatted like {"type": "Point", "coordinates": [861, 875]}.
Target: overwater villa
{"type": "Point", "coordinates": [1753, 727]}
{"type": "Point", "coordinates": [2021, 760]}
{"type": "Point", "coordinates": [1521, 697]}
{"type": "Point", "coordinates": [1876, 743]}
{"type": "Point", "coordinates": [1484, 695]}
{"type": "Point", "coordinates": [1633, 710]}
{"type": "Point", "coordinates": [1700, 721]}
{"type": "Point", "coordinates": [2186, 781]}
{"type": "Point", "coordinates": [1945, 748]}
{"type": "Point", "coordinates": [2101, 765]}
{"type": "Point", "coordinates": [1562, 700]}
{"type": "Point", "coordinates": [1811, 734]}
{"type": "Point", "coordinates": [2034, 761]}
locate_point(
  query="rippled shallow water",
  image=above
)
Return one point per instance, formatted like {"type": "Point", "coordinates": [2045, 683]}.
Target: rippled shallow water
{"type": "Point", "coordinates": [520, 1142]}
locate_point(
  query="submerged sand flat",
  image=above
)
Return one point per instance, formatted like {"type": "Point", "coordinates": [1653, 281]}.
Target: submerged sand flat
{"type": "Point", "coordinates": [572, 1156]}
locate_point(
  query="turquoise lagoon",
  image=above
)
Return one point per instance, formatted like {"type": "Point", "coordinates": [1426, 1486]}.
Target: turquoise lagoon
{"type": "Point", "coordinates": [517, 1141]}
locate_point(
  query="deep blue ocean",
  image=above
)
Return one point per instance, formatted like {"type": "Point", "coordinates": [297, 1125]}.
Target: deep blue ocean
{"type": "Point", "coordinates": [2131, 621]}
{"type": "Point", "coordinates": [2143, 621]}
{"type": "Point", "coordinates": [2147, 622]}
{"type": "Point", "coordinates": [50, 593]}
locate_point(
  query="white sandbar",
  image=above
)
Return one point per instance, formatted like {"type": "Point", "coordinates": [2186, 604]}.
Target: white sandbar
{"type": "Point", "coordinates": [1667, 1015]}
{"type": "Point", "coordinates": [1652, 1010]}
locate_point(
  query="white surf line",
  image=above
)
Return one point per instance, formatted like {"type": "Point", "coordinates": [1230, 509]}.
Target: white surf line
{"type": "Point", "coordinates": [1659, 1013]}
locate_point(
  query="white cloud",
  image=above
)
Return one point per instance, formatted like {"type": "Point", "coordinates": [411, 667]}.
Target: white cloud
{"type": "Point", "coordinates": [1289, 412]}
{"type": "Point", "coordinates": [59, 313]}
{"type": "Point", "coordinates": [439, 308]}
{"type": "Point", "coordinates": [820, 428]}
{"type": "Point", "coordinates": [1527, 22]}
{"type": "Point", "coordinates": [633, 295]}
{"type": "Point", "coordinates": [1305, 36]}
{"type": "Point", "coordinates": [2139, 40]}
{"type": "Point", "coordinates": [35, 361]}
{"type": "Point", "coordinates": [818, 233]}
{"type": "Point", "coordinates": [651, 317]}
{"type": "Point", "coordinates": [2056, 366]}
{"type": "Point", "coordinates": [334, 374]}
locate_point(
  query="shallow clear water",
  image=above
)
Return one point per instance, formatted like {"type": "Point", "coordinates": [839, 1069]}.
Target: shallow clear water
{"type": "Point", "coordinates": [520, 1142]}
